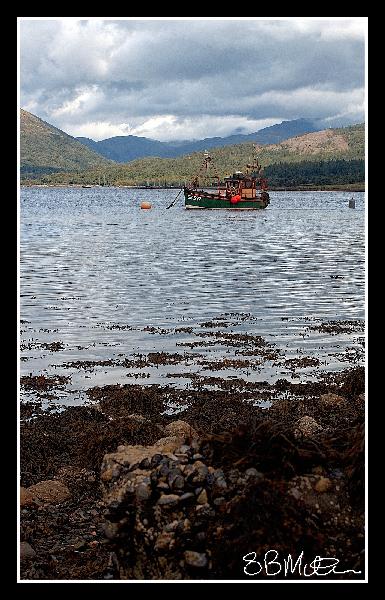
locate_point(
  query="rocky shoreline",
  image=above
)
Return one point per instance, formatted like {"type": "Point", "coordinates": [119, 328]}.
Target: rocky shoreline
{"type": "Point", "coordinates": [121, 490]}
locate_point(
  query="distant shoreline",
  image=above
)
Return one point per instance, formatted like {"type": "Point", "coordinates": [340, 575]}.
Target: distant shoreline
{"type": "Point", "coordinates": [349, 187]}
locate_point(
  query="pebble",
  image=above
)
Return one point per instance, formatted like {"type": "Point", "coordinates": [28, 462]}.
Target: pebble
{"type": "Point", "coordinates": [197, 457]}
{"type": "Point", "coordinates": [197, 560]}
{"type": "Point", "coordinates": [187, 496]}
{"type": "Point", "coordinates": [202, 498]}
{"type": "Point", "coordinates": [143, 491]}
{"type": "Point", "coordinates": [26, 551]}
{"type": "Point", "coordinates": [323, 485]}
{"type": "Point", "coordinates": [306, 427]}
{"type": "Point", "coordinates": [253, 474]}
{"type": "Point", "coordinates": [169, 500]}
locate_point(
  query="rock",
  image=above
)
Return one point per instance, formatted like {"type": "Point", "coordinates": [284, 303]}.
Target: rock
{"type": "Point", "coordinates": [129, 456]}
{"type": "Point", "coordinates": [197, 456]}
{"type": "Point", "coordinates": [253, 474]}
{"type": "Point", "coordinates": [197, 560]}
{"type": "Point", "coordinates": [26, 498]}
{"type": "Point", "coordinates": [331, 399]}
{"type": "Point", "coordinates": [136, 418]}
{"type": "Point", "coordinates": [318, 470]}
{"type": "Point", "coordinates": [111, 530]}
{"type": "Point", "coordinates": [80, 545]}
{"type": "Point", "coordinates": [323, 485]}
{"type": "Point", "coordinates": [181, 429]}
{"type": "Point", "coordinates": [50, 492]}
{"type": "Point", "coordinates": [187, 496]}
{"type": "Point", "coordinates": [168, 444]}
{"type": "Point", "coordinates": [306, 427]}
{"type": "Point", "coordinates": [168, 500]}
{"type": "Point", "coordinates": [143, 491]}
{"type": "Point", "coordinates": [26, 551]}
{"type": "Point", "coordinates": [164, 541]}
{"type": "Point", "coordinates": [295, 493]}
{"type": "Point", "coordinates": [202, 498]}
{"type": "Point", "coordinates": [199, 473]}
{"type": "Point", "coordinates": [219, 486]}
{"type": "Point", "coordinates": [219, 501]}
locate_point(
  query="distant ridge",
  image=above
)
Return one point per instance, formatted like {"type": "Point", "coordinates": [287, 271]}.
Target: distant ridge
{"type": "Point", "coordinates": [45, 149]}
{"type": "Point", "coordinates": [126, 148]}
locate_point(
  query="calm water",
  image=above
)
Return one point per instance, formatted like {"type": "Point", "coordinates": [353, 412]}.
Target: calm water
{"type": "Point", "coordinates": [91, 260]}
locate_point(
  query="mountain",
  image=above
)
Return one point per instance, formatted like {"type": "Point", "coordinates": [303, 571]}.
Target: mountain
{"type": "Point", "coordinates": [123, 148]}
{"type": "Point", "coordinates": [126, 148]}
{"type": "Point", "coordinates": [46, 149]}
{"type": "Point", "coordinates": [343, 144]}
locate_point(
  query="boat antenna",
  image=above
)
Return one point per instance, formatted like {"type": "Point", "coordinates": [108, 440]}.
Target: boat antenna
{"type": "Point", "coordinates": [207, 161]}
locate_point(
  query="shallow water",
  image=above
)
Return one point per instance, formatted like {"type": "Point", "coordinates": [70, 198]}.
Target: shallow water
{"type": "Point", "coordinates": [91, 260]}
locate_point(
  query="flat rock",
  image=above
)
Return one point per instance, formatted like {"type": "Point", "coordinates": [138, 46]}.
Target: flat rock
{"type": "Point", "coordinates": [50, 492]}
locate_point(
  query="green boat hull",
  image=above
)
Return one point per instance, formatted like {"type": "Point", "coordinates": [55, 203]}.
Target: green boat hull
{"type": "Point", "coordinates": [197, 200]}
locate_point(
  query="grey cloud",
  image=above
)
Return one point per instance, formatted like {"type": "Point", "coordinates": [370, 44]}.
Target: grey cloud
{"type": "Point", "coordinates": [132, 70]}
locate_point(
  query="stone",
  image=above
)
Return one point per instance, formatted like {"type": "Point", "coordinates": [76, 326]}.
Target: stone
{"type": "Point", "coordinates": [202, 498]}
{"type": "Point", "coordinates": [143, 492]}
{"type": "Point", "coordinates": [200, 472]}
{"type": "Point", "coordinates": [168, 500]}
{"type": "Point", "coordinates": [168, 444]}
{"type": "Point", "coordinates": [197, 456]}
{"type": "Point", "coordinates": [130, 456]}
{"type": "Point", "coordinates": [187, 496]}
{"type": "Point", "coordinates": [318, 470]}
{"type": "Point", "coordinates": [219, 501]}
{"type": "Point", "coordinates": [164, 541]}
{"type": "Point", "coordinates": [26, 551]}
{"type": "Point", "coordinates": [306, 427]}
{"type": "Point", "coordinates": [137, 418]}
{"type": "Point", "coordinates": [323, 485]}
{"type": "Point", "coordinates": [198, 560]}
{"type": "Point", "coordinates": [295, 493]}
{"type": "Point", "coordinates": [331, 399]}
{"type": "Point", "coordinates": [50, 492]}
{"type": "Point", "coordinates": [181, 429]}
{"type": "Point", "coordinates": [253, 474]}
{"type": "Point", "coordinates": [26, 498]}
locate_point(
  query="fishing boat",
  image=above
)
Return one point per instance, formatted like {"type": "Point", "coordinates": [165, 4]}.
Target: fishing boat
{"type": "Point", "coordinates": [240, 191]}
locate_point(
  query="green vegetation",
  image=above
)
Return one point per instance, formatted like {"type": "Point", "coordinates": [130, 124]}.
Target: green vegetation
{"type": "Point", "coordinates": [296, 161]}
{"type": "Point", "coordinates": [316, 173]}
{"type": "Point", "coordinates": [44, 149]}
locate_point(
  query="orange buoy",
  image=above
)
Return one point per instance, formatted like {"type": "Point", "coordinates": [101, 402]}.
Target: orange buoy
{"type": "Point", "coordinates": [145, 205]}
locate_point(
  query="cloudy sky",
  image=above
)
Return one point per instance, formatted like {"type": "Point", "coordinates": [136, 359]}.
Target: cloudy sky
{"type": "Point", "coordinates": [189, 79]}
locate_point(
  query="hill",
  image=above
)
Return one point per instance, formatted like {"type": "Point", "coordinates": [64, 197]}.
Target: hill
{"type": "Point", "coordinates": [45, 149]}
{"type": "Point", "coordinates": [343, 144]}
{"type": "Point", "coordinates": [127, 148]}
